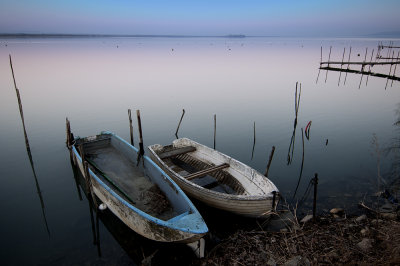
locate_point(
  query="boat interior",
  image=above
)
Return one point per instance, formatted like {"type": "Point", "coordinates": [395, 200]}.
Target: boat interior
{"type": "Point", "coordinates": [184, 162]}
{"type": "Point", "coordinates": [126, 178]}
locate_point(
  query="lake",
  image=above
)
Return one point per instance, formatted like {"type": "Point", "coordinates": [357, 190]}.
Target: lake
{"type": "Point", "coordinates": [94, 81]}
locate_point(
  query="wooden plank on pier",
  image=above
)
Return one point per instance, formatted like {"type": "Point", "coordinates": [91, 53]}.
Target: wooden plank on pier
{"type": "Point", "coordinates": [176, 152]}
{"type": "Point", "coordinates": [360, 63]}
{"type": "Point", "coordinates": [206, 171]}
{"type": "Point", "coordinates": [361, 72]}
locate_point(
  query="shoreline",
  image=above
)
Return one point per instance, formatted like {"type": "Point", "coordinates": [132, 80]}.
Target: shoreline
{"type": "Point", "coordinates": [333, 239]}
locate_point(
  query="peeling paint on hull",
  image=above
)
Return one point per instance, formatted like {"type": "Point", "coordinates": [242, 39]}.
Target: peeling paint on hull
{"type": "Point", "coordinates": [187, 227]}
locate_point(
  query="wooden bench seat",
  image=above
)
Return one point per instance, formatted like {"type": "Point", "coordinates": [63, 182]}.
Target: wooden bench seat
{"type": "Point", "coordinates": [206, 171]}
{"type": "Point", "coordinates": [176, 152]}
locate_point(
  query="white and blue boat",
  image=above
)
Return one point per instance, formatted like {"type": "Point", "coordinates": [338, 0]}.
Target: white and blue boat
{"type": "Point", "coordinates": [141, 195]}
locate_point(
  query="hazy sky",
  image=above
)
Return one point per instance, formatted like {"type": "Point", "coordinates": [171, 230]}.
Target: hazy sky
{"type": "Point", "coordinates": [201, 17]}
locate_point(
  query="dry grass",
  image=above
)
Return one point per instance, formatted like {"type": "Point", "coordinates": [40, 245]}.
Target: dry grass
{"type": "Point", "coordinates": [328, 241]}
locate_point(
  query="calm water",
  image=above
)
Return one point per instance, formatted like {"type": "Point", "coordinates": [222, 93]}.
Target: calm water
{"type": "Point", "coordinates": [94, 81]}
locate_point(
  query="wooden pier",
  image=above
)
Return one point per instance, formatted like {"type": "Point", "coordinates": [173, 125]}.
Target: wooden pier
{"type": "Point", "coordinates": [388, 62]}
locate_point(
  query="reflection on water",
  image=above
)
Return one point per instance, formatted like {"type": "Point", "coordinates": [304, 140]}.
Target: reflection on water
{"type": "Point", "coordinates": [28, 149]}
{"type": "Point", "coordinates": [94, 81]}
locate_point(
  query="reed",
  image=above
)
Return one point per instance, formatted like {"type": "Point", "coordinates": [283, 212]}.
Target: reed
{"type": "Point", "coordinates": [271, 155]}
{"type": "Point", "coordinates": [28, 148]}
{"type": "Point", "coordinates": [179, 124]}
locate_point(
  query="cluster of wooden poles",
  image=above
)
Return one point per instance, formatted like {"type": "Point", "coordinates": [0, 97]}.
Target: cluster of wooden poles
{"type": "Point", "coordinates": [344, 66]}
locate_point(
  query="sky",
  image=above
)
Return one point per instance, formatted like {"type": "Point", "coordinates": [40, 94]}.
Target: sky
{"type": "Point", "coordinates": [201, 17]}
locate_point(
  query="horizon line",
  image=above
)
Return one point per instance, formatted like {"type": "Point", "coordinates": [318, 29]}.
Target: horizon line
{"type": "Point", "coordinates": [77, 35]}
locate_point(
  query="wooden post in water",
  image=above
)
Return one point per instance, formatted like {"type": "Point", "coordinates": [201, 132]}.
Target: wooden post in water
{"type": "Point", "coordinates": [369, 69]}
{"type": "Point", "coordinates": [254, 140]}
{"type": "Point", "coordinates": [215, 128]}
{"type": "Point", "coordinates": [320, 64]}
{"type": "Point", "coordinates": [315, 196]}
{"type": "Point", "coordinates": [390, 71]}
{"type": "Point", "coordinates": [329, 58]}
{"type": "Point", "coordinates": [180, 121]}
{"type": "Point", "coordinates": [348, 66]}
{"type": "Point", "coordinates": [271, 155]}
{"type": "Point", "coordinates": [340, 75]}
{"type": "Point", "coordinates": [362, 66]}
{"type": "Point", "coordinates": [130, 126]}
{"type": "Point", "coordinates": [395, 67]}
{"type": "Point", "coordinates": [141, 149]}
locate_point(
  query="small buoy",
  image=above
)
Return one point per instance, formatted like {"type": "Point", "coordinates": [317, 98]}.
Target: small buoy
{"type": "Point", "coordinates": [102, 207]}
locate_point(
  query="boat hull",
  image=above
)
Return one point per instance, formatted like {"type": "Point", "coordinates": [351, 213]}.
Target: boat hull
{"type": "Point", "coordinates": [252, 203]}
{"type": "Point", "coordinates": [188, 227]}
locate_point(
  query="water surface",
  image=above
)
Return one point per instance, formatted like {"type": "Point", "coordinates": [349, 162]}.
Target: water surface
{"type": "Point", "coordinates": [94, 81]}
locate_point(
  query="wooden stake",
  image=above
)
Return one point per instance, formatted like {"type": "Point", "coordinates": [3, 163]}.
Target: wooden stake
{"type": "Point", "coordinates": [369, 70]}
{"type": "Point", "coordinates": [315, 196]}
{"type": "Point", "coordinates": [320, 63]}
{"type": "Point", "coordinates": [271, 155]}
{"type": "Point", "coordinates": [254, 140]}
{"type": "Point", "coordinates": [141, 149]}
{"type": "Point", "coordinates": [215, 128]}
{"type": "Point", "coordinates": [130, 126]}
{"type": "Point", "coordinates": [362, 67]}
{"type": "Point", "coordinates": [341, 65]}
{"type": "Point", "coordinates": [180, 121]}
{"type": "Point", "coordinates": [390, 70]}
{"type": "Point", "coordinates": [329, 58]}
{"type": "Point", "coordinates": [345, 78]}
{"type": "Point", "coordinates": [395, 67]}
